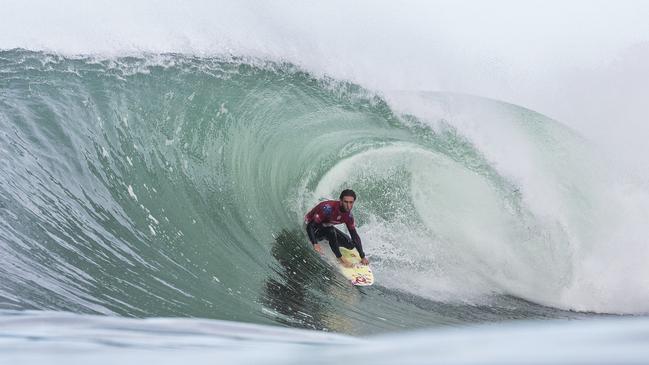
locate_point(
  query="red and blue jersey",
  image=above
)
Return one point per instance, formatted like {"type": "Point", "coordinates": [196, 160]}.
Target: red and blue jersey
{"type": "Point", "coordinates": [320, 221]}
{"type": "Point", "coordinates": [328, 213]}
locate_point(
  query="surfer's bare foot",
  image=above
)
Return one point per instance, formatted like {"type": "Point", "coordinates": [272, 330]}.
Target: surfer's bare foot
{"type": "Point", "coordinates": [345, 263]}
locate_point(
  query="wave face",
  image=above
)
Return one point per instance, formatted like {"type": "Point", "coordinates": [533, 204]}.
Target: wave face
{"type": "Point", "coordinates": [174, 185]}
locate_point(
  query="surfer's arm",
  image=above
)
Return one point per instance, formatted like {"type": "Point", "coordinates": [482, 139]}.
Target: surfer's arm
{"type": "Point", "coordinates": [310, 231]}
{"type": "Point", "coordinates": [357, 242]}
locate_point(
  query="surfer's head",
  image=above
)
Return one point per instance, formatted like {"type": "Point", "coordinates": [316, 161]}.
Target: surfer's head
{"type": "Point", "coordinates": [347, 199]}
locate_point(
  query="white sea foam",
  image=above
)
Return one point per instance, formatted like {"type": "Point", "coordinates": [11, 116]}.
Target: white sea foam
{"type": "Point", "coordinates": [581, 62]}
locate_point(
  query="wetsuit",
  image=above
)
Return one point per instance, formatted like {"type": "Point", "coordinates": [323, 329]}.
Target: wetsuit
{"type": "Point", "coordinates": [320, 223]}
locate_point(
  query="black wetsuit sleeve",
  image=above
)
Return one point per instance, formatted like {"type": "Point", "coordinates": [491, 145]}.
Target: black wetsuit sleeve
{"type": "Point", "coordinates": [310, 231]}
{"type": "Point", "coordinates": [357, 242]}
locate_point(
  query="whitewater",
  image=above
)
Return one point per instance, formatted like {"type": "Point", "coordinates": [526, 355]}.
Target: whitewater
{"type": "Point", "coordinates": [158, 158]}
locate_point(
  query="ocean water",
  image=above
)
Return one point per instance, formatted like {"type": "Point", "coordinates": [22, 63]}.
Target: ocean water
{"type": "Point", "coordinates": [156, 167]}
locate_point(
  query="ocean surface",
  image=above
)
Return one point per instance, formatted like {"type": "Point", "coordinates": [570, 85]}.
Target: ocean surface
{"type": "Point", "coordinates": [152, 203]}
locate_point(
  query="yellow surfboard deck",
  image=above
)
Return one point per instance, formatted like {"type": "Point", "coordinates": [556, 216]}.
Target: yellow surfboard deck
{"type": "Point", "coordinates": [360, 275]}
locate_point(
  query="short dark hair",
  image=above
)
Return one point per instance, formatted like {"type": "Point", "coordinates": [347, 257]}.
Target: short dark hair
{"type": "Point", "coordinates": [348, 192]}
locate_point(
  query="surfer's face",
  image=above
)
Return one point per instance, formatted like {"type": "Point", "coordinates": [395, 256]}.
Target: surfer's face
{"type": "Point", "coordinates": [347, 202]}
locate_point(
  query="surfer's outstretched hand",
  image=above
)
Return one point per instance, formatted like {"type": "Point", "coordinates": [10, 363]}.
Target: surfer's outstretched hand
{"type": "Point", "coordinates": [365, 261]}
{"type": "Point", "coordinates": [318, 248]}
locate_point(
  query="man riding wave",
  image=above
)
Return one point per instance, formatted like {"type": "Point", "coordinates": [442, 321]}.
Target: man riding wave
{"type": "Point", "coordinates": [320, 223]}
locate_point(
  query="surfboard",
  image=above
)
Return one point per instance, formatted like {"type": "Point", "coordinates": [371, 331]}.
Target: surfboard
{"type": "Point", "coordinates": [359, 274]}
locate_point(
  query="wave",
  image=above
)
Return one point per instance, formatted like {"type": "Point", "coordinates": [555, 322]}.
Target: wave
{"type": "Point", "coordinates": [175, 185]}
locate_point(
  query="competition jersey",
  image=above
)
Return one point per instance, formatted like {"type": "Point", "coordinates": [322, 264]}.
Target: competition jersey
{"type": "Point", "coordinates": [328, 213]}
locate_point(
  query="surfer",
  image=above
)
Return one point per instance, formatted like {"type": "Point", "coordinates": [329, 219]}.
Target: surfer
{"type": "Point", "coordinates": [320, 223]}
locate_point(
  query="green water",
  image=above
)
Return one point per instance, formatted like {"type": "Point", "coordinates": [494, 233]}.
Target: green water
{"type": "Point", "coordinates": [169, 185]}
